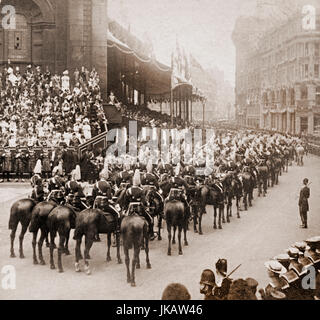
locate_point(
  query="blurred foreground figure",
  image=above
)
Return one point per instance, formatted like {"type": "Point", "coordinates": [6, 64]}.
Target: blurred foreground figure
{"type": "Point", "coordinates": [176, 291]}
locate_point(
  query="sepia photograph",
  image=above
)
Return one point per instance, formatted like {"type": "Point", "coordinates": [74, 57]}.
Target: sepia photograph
{"type": "Point", "coordinates": [159, 150]}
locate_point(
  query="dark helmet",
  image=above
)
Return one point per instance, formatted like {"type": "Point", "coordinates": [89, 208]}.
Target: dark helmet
{"type": "Point", "coordinates": [38, 182]}
{"type": "Point", "coordinates": [208, 278]}
{"type": "Point", "coordinates": [222, 266]}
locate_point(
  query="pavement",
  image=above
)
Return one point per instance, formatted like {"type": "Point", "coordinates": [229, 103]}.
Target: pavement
{"type": "Point", "coordinates": [266, 230]}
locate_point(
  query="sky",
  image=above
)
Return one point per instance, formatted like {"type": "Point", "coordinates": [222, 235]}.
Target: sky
{"type": "Point", "coordinates": [203, 27]}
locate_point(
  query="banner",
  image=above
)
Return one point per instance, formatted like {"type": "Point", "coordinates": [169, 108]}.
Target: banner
{"type": "Point", "coordinates": [181, 71]}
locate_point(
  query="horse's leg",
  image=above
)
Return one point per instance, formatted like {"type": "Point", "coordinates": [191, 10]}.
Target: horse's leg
{"type": "Point", "coordinates": [52, 237]}
{"type": "Point", "coordinates": [221, 210]}
{"type": "Point", "coordinates": [179, 239]}
{"type": "Point", "coordinates": [214, 217]}
{"type": "Point", "coordinates": [238, 208]}
{"type": "Point", "coordinates": [34, 244]}
{"type": "Point", "coordinates": [200, 223]}
{"type": "Point", "coordinates": [195, 219]}
{"type": "Point", "coordinates": [44, 233]}
{"type": "Point", "coordinates": [134, 262]}
{"type": "Point", "coordinates": [147, 252]}
{"type": "Point", "coordinates": [159, 227]}
{"type": "Point", "coordinates": [185, 236]}
{"type": "Point", "coordinates": [66, 247]}
{"type": "Point", "coordinates": [109, 245]}
{"type": "Point", "coordinates": [12, 237]}
{"type": "Point", "coordinates": [118, 247]}
{"type": "Point", "coordinates": [62, 239]}
{"type": "Point", "coordinates": [78, 255]}
{"type": "Point", "coordinates": [88, 244]}
{"type": "Point", "coordinates": [127, 260]}
{"type": "Point", "coordinates": [47, 241]}
{"type": "Point", "coordinates": [169, 239]}
{"type": "Point", "coordinates": [174, 235]}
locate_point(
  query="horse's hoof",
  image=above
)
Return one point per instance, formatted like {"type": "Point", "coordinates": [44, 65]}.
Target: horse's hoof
{"type": "Point", "coordinates": [138, 266]}
{"type": "Point", "coordinates": [48, 245]}
{"type": "Point", "coordinates": [22, 256]}
{"type": "Point", "coordinates": [12, 255]}
{"type": "Point", "coordinates": [169, 253]}
{"type": "Point", "coordinates": [77, 267]}
{"type": "Point", "coordinates": [119, 261]}
{"type": "Point", "coordinates": [173, 242]}
{"type": "Point", "coordinates": [180, 253]}
{"type": "Point", "coordinates": [42, 263]}
{"type": "Point", "coordinates": [195, 231]}
{"type": "Point", "coordinates": [109, 259]}
{"type": "Point", "coordinates": [52, 267]}
{"type": "Point", "coordinates": [220, 227]}
{"type": "Point", "coordinates": [88, 257]}
{"type": "Point", "coordinates": [87, 270]}
{"type": "Point", "coordinates": [149, 266]}
{"type": "Point", "coordinates": [67, 252]}
{"type": "Point", "coordinates": [35, 262]}
{"type": "Point", "coordinates": [186, 243]}
{"type": "Point", "coordinates": [60, 270]}
{"type": "Point", "coordinates": [200, 233]}
{"type": "Point", "coordinates": [133, 284]}
{"type": "Point", "coordinates": [81, 257]}
{"type": "Point", "coordinates": [215, 227]}
{"type": "Point", "coordinates": [159, 238]}
{"type": "Point", "coordinates": [223, 221]}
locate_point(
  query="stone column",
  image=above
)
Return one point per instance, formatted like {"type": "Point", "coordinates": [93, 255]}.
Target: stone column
{"type": "Point", "coordinates": [288, 122]}
{"type": "Point", "coordinates": [311, 123]}
{"type": "Point", "coordinates": [298, 124]}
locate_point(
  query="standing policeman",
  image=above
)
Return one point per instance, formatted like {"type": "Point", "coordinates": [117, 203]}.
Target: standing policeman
{"type": "Point", "coordinates": [304, 204]}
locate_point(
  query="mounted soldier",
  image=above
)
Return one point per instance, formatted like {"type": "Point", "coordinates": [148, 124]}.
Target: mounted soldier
{"type": "Point", "coordinates": [74, 192]}
{"type": "Point", "coordinates": [37, 190]}
{"type": "Point", "coordinates": [135, 197]}
{"type": "Point", "coordinates": [223, 283]}
{"type": "Point", "coordinates": [37, 173]}
{"type": "Point", "coordinates": [56, 186]}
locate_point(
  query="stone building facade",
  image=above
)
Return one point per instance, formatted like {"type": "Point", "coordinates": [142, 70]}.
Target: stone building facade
{"type": "Point", "coordinates": [61, 34]}
{"type": "Point", "coordinates": [278, 75]}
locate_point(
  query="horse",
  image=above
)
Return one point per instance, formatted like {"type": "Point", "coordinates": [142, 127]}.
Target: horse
{"type": "Point", "coordinates": [213, 196]}
{"type": "Point", "coordinates": [262, 179]}
{"type": "Point", "coordinates": [134, 230]}
{"type": "Point", "coordinates": [38, 222]}
{"type": "Point", "coordinates": [233, 190]}
{"type": "Point", "coordinates": [90, 223]}
{"type": "Point", "coordinates": [156, 206]}
{"type": "Point", "coordinates": [300, 153]}
{"type": "Point", "coordinates": [20, 213]}
{"type": "Point", "coordinates": [248, 187]}
{"type": "Point", "coordinates": [277, 169]}
{"type": "Point", "coordinates": [60, 220]}
{"type": "Point", "coordinates": [176, 217]}
{"type": "Point", "coordinates": [194, 195]}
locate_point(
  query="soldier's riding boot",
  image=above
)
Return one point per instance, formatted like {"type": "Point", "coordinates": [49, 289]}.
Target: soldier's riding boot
{"type": "Point", "coordinates": [151, 232]}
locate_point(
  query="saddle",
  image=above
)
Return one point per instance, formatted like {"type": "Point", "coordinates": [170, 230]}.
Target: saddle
{"type": "Point", "coordinates": [134, 207]}
{"type": "Point", "coordinates": [175, 194]}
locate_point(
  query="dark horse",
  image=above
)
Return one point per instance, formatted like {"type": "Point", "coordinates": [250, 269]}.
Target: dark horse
{"type": "Point", "coordinates": [90, 223]}
{"type": "Point", "coordinates": [213, 196]}
{"type": "Point", "coordinates": [134, 230]}
{"type": "Point", "coordinates": [248, 187]}
{"type": "Point", "coordinates": [20, 213]}
{"type": "Point", "coordinates": [263, 176]}
{"type": "Point", "coordinates": [39, 218]}
{"type": "Point", "coordinates": [233, 190]}
{"type": "Point", "coordinates": [176, 217]}
{"type": "Point", "coordinates": [60, 220]}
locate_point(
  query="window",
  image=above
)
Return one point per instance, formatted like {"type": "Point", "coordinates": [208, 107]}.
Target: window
{"type": "Point", "coordinates": [306, 71]}
{"type": "Point", "coordinates": [18, 40]}
{"type": "Point", "coordinates": [318, 96]}
{"type": "Point", "coordinates": [304, 93]}
{"type": "Point", "coordinates": [316, 71]}
{"type": "Point", "coordinates": [316, 49]}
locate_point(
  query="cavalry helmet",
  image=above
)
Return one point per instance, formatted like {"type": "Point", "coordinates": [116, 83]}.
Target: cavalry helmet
{"type": "Point", "coordinates": [222, 266]}
{"type": "Point", "coordinates": [208, 278]}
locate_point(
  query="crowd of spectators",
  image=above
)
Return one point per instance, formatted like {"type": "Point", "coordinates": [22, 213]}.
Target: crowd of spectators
{"type": "Point", "coordinates": [40, 109]}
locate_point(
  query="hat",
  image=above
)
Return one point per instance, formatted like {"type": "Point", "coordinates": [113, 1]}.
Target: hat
{"type": "Point", "coordinates": [314, 243]}
{"type": "Point", "coordinates": [252, 283]}
{"type": "Point", "coordinates": [275, 267]}
{"type": "Point", "coordinates": [278, 295]}
{"type": "Point", "coordinates": [293, 253]}
{"type": "Point", "coordinates": [208, 278]}
{"type": "Point", "coordinates": [301, 246]}
{"type": "Point", "coordinates": [66, 72]}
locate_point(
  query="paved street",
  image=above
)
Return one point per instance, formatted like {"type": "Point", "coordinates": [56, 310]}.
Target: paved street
{"type": "Point", "coordinates": [266, 230]}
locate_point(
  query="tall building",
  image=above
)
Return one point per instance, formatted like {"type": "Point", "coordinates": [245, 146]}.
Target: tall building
{"type": "Point", "coordinates": [277, 67]}
{"type": "Point", "coordinates": [60, 34]}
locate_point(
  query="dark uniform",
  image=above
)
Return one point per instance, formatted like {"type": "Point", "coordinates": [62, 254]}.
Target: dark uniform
{"type": "Point", "coordinates": [55, 187]}
{"type": "Point", "coordinates": [75, 195]}
{"type": "Point", "coordinates": [304, 205]}
{"type": "Point", "coordinates": [136, 194]}
{"type": "Point", "coordinates": [37, 191]}
{"type": "Point", "coordinates": [7, 164]}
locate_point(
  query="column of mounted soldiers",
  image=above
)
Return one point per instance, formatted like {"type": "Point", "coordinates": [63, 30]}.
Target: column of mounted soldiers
{"type": "Point", "coordinates": [242, 162]}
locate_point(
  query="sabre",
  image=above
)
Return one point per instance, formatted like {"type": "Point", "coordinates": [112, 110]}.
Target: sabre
{"type": "Point", "coordinates": [234, 271]}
